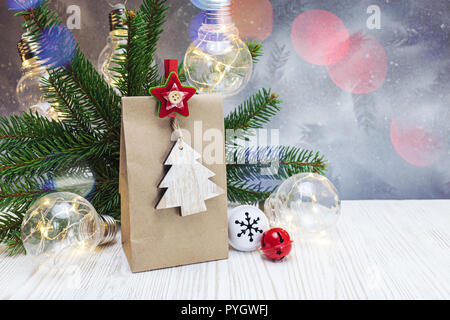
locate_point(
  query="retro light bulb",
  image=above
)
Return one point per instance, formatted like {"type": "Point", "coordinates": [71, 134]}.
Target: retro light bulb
{"type": "Point", "coordinates": [218, 61]}
{"type": "Point", "coordinates": [64, 220]}
{"type": "Point", "coordinates": [28, 90]}
{"type": "Point", "coordinates": [117, 36]}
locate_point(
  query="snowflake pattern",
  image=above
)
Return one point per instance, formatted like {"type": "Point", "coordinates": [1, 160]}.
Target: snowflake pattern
{"type": "Point", "coordinates": [249, 226]}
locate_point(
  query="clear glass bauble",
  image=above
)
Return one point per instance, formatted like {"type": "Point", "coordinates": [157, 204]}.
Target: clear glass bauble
{"type": "Point", "coordinates": [306, 203]}
{"type": "Point", "coordinates": [58, 221]}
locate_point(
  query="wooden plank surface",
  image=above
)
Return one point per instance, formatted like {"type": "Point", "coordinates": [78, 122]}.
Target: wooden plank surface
{"type": "Point", "coordinates": [379, 250]}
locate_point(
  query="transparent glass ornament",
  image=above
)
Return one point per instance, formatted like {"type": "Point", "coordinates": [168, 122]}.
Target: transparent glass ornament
{"type": "Point", "coordinates": [64, 220]}
{"type": "Point", "coordinates": [306, 203]}
{"type": "Point", "coordinates": [218, 61]}
{"type": "Point", "coordinates": [116, 37]}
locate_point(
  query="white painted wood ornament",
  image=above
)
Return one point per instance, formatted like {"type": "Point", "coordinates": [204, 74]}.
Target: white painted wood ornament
{"type": "Point", "coordinates": [187, 182]}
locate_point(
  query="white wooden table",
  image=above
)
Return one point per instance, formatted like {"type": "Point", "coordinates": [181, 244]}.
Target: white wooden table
{"type": "Point", "coordinates": [379, 250]}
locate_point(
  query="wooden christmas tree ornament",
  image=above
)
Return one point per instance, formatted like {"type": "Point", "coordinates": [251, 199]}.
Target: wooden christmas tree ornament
{"type": "Point", "coordinates": [187, 182]}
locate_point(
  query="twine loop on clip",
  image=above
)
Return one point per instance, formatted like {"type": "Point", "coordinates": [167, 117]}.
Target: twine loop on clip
{"type": "Point", "coordinates": [177, 130]}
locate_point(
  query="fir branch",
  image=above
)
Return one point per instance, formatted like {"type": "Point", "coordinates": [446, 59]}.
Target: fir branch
{"type": "Point", "coordinates": [38, 19]}
{"type": "Point", "coordinates": [16, 195]}
{"type": "Point", "coordinates": [14, 244]}
{"type": "Point", "coordinates": [239, 193]}
{"type": "Point", "coordinates": [278, 163]}
{"type": "Point", "coordinates": [18, 130]}
{"type": "Point", "coordinates": [30, 193]}
{"type": "Point", "coordinates": [279, 58]}
{"type": "Point", "coordinates": [106, 199]}
{"type": "Point", "coordinates": [181, 73]}
{"type": "Point", "coordinates": [255, 112]}
{"type": "Point", "coordinates": [101, 96]}
{"type": "Point", "coordinates": [71, 108]}
{"type": "Point", "coordinates": [10, 225]}
{"type": "Point", "coordinates": [249, 167]}
{"type": "Point", "coordinates": [43, 160]}
{"type": "Point", "coordinates": [256, 49]}
{"type": "Point", "coordinates": [123, 74]}
{"type": "Point", "coordinates": [36, 158]}
{"type": "Point", "coordinates": [155, 12]}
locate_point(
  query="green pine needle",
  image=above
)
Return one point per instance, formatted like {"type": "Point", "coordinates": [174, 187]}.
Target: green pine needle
{"type": "Point", "coordinates": [243, 194]}
{"type": "Point", "coordinates": [255, 112]}
{"type": "Point", "coordinates": [256, 49]}
{"type": "Point", "coordinates": [10, 225]}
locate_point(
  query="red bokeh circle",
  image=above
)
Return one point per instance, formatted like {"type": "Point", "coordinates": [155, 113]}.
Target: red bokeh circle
{"type": "Point", "coordinates": [416, 145]}
{"type": "Point", "coordinates": [363, 69]}
{"type": "Point", "coordinates": [253, 18]}
{"type": "Point", "coordinates": [320, 37]}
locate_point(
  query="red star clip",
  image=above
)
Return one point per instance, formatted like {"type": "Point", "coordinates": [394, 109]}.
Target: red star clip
{"type": "Point", "coordinates": [173, 96]}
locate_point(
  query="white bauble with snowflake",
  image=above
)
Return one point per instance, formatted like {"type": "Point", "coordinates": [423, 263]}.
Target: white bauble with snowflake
{"type": "Point", "coordinates": [246, 225]}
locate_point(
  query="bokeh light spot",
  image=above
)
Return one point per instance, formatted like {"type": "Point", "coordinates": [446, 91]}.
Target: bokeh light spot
{"type": "Point", "coordinates": [418, 146]}
{"type": "Point", "coordinates": [79, 180]}
{"type": "Point", "coordinates": [57, 46]}
{"type": "Point", "coordinates": [364, 68]}
{"type": "Point", "coordinates": [195, 24]}
{"type": "Point", "coordinates": [23, 5]}
{"type": "Point", "coordinates": [253, 18]}
{"type": "Point", "coordinates": [207, 4]}
{"type": "Point", "coordinates": [320, 37]}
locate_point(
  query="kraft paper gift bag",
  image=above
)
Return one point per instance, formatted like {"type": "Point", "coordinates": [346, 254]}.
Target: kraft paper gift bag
{"type": "Point", "coordinates": [151, 238]}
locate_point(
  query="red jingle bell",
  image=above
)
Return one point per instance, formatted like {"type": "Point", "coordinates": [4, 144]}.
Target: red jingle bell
{"type": "Point", "coordinates": [276, 243]}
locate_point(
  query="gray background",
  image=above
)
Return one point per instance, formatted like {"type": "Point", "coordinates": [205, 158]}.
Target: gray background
{"type": "Point", "coordinates": [353, 131]}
